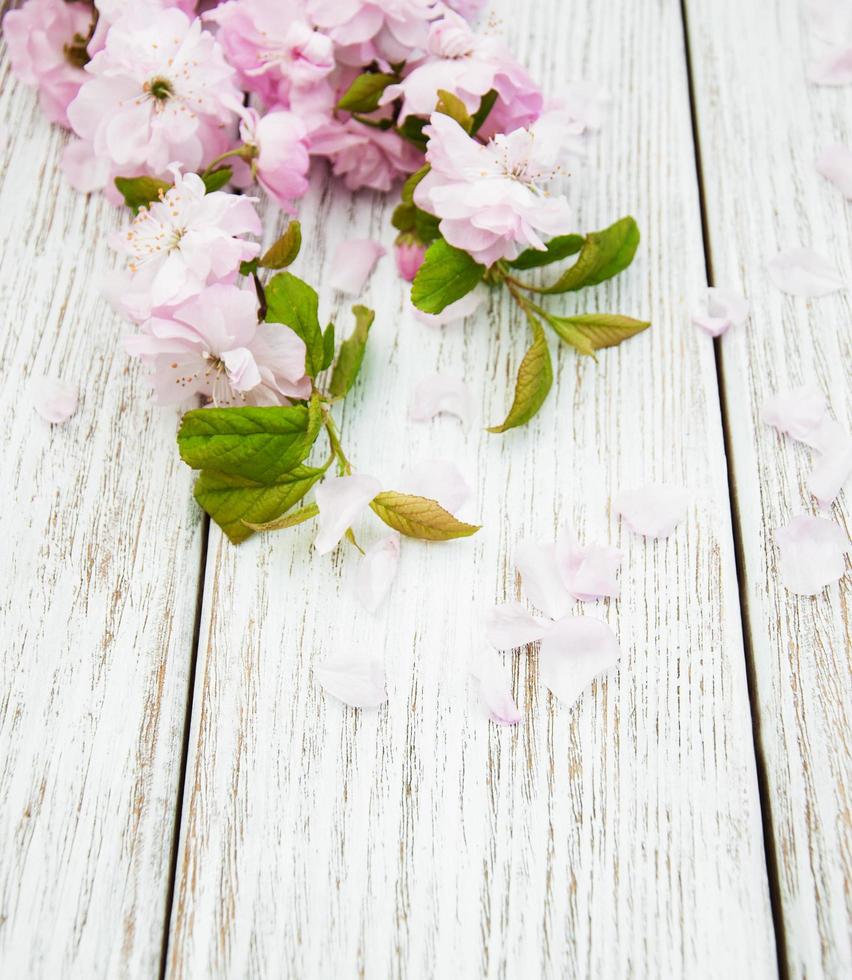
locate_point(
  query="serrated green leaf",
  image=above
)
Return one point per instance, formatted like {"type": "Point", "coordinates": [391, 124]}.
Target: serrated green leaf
{"type": "Point", "coordinates": [364, 93]}
{"type": "Point", "coordinates": [535, 377]}
{"type": "Point", "coordinates": [139, 192]}
{"type": "Point", "coordinates": [481, 115]}
{"type": "Point", "coordinates": [215, 180]}
{"type": "Point", "coordinates": [294, 303]}
{"type": "Point", "coordinates": [327, 346]}
{"type": "Point", "coordinates": [558, 248]}
{"type": "Point", "coordinates": [604, 254]}
{"type": "Point", "coordinates": [288, 520]}
{"type": "Point", "coordinates": [258, 444]}
{"type": "Point", "coordinates": [351, 353]}
{"type": "Point", "coordinates": [283, 252]}
{"type": "Point", "coordinates": [447, 274]}
{"type": "Point", "coordinates": [449, 104]}
{"type": "Point", "coordinates": [238, 505]}
{"type": "Point", "coordinates": [593, 331]}
{"type": "Point", "coordinates": [419, 517]}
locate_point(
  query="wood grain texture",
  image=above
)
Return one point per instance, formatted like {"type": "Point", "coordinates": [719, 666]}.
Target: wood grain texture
{"type": "Point", "coordinates": [620, 837]}
{"type": "Point", "coordinates": [99, 560]}
{"type": "Point", "coordinates": [761, 126]}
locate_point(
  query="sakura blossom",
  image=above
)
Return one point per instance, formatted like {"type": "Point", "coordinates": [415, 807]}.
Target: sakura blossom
{"type": "Point", "coordinates": [279, 142]}
{"type": "Point", "coordinates": [725, 309]}
{"type": "Point", "coordinates": [213, 345]}
{"type": "Point", "coordinates": [54, 400]}
{"type": "Point", "coordinates": [573, 652]}
{"type": "Point", "coordinates": [390, 31]}
{"type": "Point", "coordinates": [804, 272]}
{"type": "Point", "coordinates": [362, 156]}
{"type": "Point", "coordinates": [109, 11]}
{"type": "Point", "coordinates": [440, 393]}
{"type": "Point", "coordinates": [490, 198]}
{"type": "Point", "coordinates": [654, 510]}
{"type": "Point", "coordinates": [835, 164]}
{"type": "Point", "coordinates": [811, 553]}
{"type": "Point", "coordinates": [159, 91]}
{"type": "Point", "coordinates": [46, 41]}
{"type": "Point", "coordinates": [376, 571]}
{"type": "Point", "coordinates": [353, 678]}
{"type": "Point", "coordinates": [353, 264]}
{"type": "Point", "coordinates": [180, 244]}
{"type": "Point", "coordinates": [341, 499]}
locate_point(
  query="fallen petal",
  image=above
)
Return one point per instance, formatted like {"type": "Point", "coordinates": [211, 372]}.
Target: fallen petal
{"type": "Point", "coordinates": [803, 272]}
{"type": "Point", "coordinates": [727, 304]}
{"type": "Point", "coordinates": [573, 653]}
{"type": "Point", "coordinates": [495, 689]}
{"type": "Point", "coordinates": [715, 326]}
{"type": "Point", "coordinates": [437, 479]}
{"type": "Point", "coordinates": [654, 510]}
{"type": "Point", "coordinates": [542, 580]}
{"type": "Point", "coordinates": [340, 500]}
{"type": "Point", "coordinates": [798, 412]}
{"type": "Point", "coordinates": [438, 393]}
{"type": "Point", "coordinates": [353, 262]}
{"type": "Point", "coordinates": [588, 572]}
{"type": "Point", "coordinates": [812, 550]}
{"type": "Point", "coordinates": [830, 473]}
{"type": "Point", "coordinates": [54, 400]}
{"type": "Point", "coordinates": [462, 308]}
{"type": "Point", "coordinates": [509, 626]}
{"type": "Point", "coordinates": [834, 67]}
{"type": "Point", "coordinates": [835, 164]}
{"type": "Point", "coordinates": [376, 572]}
{"type": "Point", "coordinates": [356, 681]}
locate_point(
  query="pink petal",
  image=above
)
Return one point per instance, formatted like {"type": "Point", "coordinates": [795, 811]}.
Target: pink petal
{"type": "Point", "coordinates": [495, 689]}
{"type": "Point", "coordinates": [340, 500]}
{"type": "Point", "coordinates": [542, 580]}
{"type": "Point", "coordinates": [728, 304]}
{"type": "Point", "coordinates": [437, 479]}
{"type": "Point", "coordinates": [834, 67]}
{"type": "Point", "coordinates": [54, 400]}
{"type": "Point", "coordinates": [353, 262]}
{"type": "Point", "coordinates": [798, 413]}
{"type": "Point", "coordinates": [835, 164]}
{"type": "Point", "coordinates": [438, 393]}
{"type": "Point", "coordinates": [509, 626]}
{"type": "Point", "coordinates": [589, 572]}
{"type": "Point", "coordinates": [573, 653]}
{"type": "Point", "coordinates": [376, 572]}
{"type": "Point", "coordinates": [358, 681]}
{"type": "Point", "coordinates": [715, 326]}
{"type": "Point", "coordinates": [830, 473]}
{"type": "Point", "coordinates": [654, 510]}
{"type": "Point", "coordinates": [803, 272]}
{"type": "Point", "coordinates": [812, 551]}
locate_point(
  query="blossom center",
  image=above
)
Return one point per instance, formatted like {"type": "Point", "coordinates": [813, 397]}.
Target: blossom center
{"type": "Point", "coordinates": [160, 89]}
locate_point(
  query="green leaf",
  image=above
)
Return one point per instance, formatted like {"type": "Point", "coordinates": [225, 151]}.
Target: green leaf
{"type": "Point", "coordinates": [258, 444]}
{"type": "Point", "coordinates": [411, 182]}
{"type": "Point", "coordinates": [139, 192]}
{"type": "Point", "coordinates": [426, 226]}
{"type": "Point", "coordinates": [604, 254]}
{"type": "Point", "coordinates": [557, 248]}
{"type": "Point", "coordinates": [364, 93]}
{"type": "Point", "coordinates": [593, 331]}
{"type": "Point", "coordinates": [412, 130]}
{"type": "Point", "coordinates": [294, 303]}
{"type": "Point", "coordinates": [535, 376]}
{"type": "Point", "coordinates": [248, 268]}
{"type": "Point", "coordinates": [404, 217]}
{"type": "Point", "coordinates": [419, 517]}
{"type": "Point", "coordinates": [327, 346]}
{"type": "Point", "coordinates": [289, 520]}
{"type": "Point", "coordinates": [483, 112]}
{"type": "Point", "coordinates": [351, 353]}
{"type": "Point", "coordinates": [215, 180]}
{"type": "Point", "coordinates": [447, 274]}
{"type": "Point", "coordinates": [238, 505]}
{"type": "Point", "coordinates": [451, 105]}
{"type": "Point", "coordinates": [285, 250]}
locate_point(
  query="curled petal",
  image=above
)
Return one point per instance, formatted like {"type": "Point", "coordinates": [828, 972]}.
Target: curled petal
{"type": "Point", "coordinates": [812, 551]}
{"type": "Point", "coordinates": [654, 510]}
{"type": "Point", "coordinates": [542, 579]}
{"type": "Point", "coordinates": [340, 500]}
{"type": "Point", "coordinates": [509, 626]}
{"type": "Point", "coordinates": [495, 689]}
{"type": "Point", "coordinates": [803, 272]}
{"type": "Point", "coordinates": [54, 400]}
{"type": "Point", "coordinates": [437, 479]}
{"type": "Point", "coordinates": [835, 164]}
{"type": "Point", "coordinates": [376, 572]}
{"type": "Point", "coordinates": [438, 393]}
{"type": "Point", "coordinates": [573, 653]}
{"type": "Point", "coordinates": [588, 572]}
{"type": "Point", "coordinates": [798, 412]}
{"type": "Point", "coordinates": [353, 263]}
{"type": "Point", "coordinates": [355, 680]}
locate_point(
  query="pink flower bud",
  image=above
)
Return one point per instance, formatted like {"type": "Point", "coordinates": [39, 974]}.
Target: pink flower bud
{"type": "Point", "coordinates": [409, 257]}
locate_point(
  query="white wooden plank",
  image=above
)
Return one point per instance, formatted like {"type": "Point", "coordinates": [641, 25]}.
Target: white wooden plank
{"type": "Point", "coordinates": [620, 837]}
{"type": "Point", "coordinates": [761, 126]}
{"type": "Point", "coordinates": [99, 560]}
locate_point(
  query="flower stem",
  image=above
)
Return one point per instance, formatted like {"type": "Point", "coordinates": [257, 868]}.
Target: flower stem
{"type": "Point", "coordinates": [244, 152]}
{"type": "Point", "coordinates": [343, 463]}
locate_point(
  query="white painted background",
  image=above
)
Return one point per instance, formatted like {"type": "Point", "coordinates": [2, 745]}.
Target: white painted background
{"type": "Point", "coordinates": [641, 832]}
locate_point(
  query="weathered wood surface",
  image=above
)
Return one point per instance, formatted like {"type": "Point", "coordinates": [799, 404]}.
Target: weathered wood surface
{"type": "Point", "coordinates": [621, 837]}
{"type": "Point", "coordinates": [761, 126]}
{"type": "Point", "coordinates": [99, 561]}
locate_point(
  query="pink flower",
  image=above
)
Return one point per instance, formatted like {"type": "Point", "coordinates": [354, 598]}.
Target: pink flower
{"type": "Point", "coordinates": [467, 8]}
{"type": "Point", "coordinates": [469, 65]}
{"type": "Point", "coordinates": [366, 30]}
{"type": "Point", "coordinates": [362, 156]}
{"type": "Point", "coordinates": [282, 162]}
{"type": "Point", "coordinates": [181, 244]}
{"type": "Point", "coordinates": [46, 42]}
{"type": "Point", "coordinates": [409, 255]}
{"type": "Point", "coordinates": [212, 345]}
{"type": "Point", "coordinates": [109, 11]}
{"type": "Point", "coordinates": [491, 198]}
{"type": "Point", "coordinates": [272, 46]}
{"type": "Point", "coordinates": [160, 91]}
